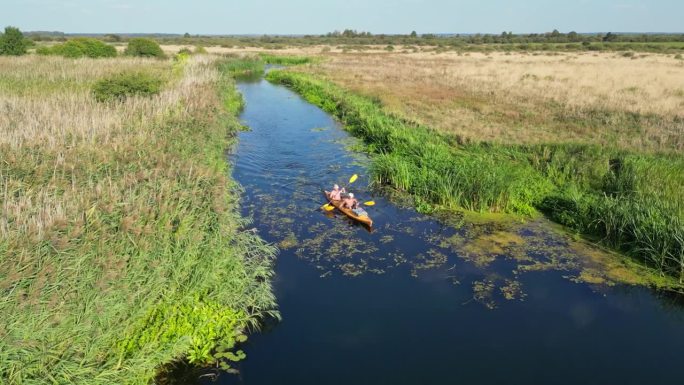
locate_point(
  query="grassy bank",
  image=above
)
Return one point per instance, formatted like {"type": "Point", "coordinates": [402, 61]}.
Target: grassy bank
{"type": "Point", "coordinates": [121, 246]}
{"type": "Point", "coordinates": [626, 200]}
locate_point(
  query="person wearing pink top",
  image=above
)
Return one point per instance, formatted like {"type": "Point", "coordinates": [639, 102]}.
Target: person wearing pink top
{"type": "Point", "coordinates": [336, 193]}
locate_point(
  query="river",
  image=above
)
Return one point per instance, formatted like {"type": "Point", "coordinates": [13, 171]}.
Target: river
{"type": "Point", "coordinates": [417, 301]}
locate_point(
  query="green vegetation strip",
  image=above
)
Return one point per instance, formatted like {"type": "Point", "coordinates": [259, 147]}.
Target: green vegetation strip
{"type": "Point", "coordinates": [631, 202]}
{"type": "Point", "coordinates": [79, 47]}
{"type": "Point", "coordinates": [154, 268]}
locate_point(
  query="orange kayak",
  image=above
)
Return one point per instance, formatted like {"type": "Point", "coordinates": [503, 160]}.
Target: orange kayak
{"type": "Point", "coordinates": [365, 219]}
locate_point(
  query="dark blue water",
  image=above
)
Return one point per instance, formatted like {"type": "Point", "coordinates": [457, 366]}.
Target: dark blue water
{"type": "Point", "coordinates": [399, 305]}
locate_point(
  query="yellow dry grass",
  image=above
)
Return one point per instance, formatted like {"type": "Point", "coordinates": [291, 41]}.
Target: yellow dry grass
{"type": "Point", "coordinates": [52, 111]}
{"type": "Point", "coordinates": [526, 98]}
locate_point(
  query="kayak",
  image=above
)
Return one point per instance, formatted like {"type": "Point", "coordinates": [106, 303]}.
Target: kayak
{"type": "Point", "coordinates": [365, 219]}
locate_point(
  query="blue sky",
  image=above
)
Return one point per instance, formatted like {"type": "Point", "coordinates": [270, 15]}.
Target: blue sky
{"type": "Point", "coordinates": [320, 16]}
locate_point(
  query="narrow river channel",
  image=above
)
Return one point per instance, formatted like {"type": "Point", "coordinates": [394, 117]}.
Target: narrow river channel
{"type": "Point", "coordinates": [416, 301]}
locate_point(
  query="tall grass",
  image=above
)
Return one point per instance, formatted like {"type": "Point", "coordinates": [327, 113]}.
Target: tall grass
{"type": "Point", "coordinates": [120, 244]}
{"type": "Point", "coordinates": [285, 59]}
{"type": "Point", "coordinates": [242, 66]}
{"type": "Point", "coordinates": [629, 201]}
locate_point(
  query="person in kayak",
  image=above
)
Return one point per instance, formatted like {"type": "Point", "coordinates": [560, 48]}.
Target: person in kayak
{"type": "Point", "coordinates": [336, 193]}
{"type": "Point", "coordinates": [350, 202]}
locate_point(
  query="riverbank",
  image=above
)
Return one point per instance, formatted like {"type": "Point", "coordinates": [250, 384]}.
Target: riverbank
{"type": "Point", "coordinates": [626, 200]}
{"type": "Point", "coordinates": [121, 244]}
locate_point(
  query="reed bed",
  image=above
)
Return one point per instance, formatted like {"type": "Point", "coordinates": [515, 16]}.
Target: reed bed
{"type": "Point", "coordinates": [121, 247]}
{"type": "Point", "coordinates": [627, 200]}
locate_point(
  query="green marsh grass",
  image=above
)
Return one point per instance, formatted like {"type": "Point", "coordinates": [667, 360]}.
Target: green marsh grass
{"type": "Point", "coordinates": [287, 60]}
{"type": "Point", "coordinates": [626, 200]}
{"type": "Point", "coordinates": [242, 66]}
{"type": "Point", "coordinates": [121, 246]}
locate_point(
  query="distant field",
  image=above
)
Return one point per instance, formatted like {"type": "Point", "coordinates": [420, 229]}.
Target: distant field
{"type": "Point", "coordinates": [628, 101]}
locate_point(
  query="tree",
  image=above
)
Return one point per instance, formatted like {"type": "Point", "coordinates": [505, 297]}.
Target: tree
{"type": "Point", "coordinates": [113, 37]}
{"type": "Point", "coordinates": [610, 37]}
{"type": "Point", "coordinates": [414, 34]}
{"type": "Point", "coordinates": [12, 42]}
{"type": "Point", "coordinates": [144, 47]}
{"type": "Point", "coordinates": [187, 35]}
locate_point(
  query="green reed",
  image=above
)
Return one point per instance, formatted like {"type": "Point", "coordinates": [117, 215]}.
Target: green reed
{"type": "Point", "coordinates": [151, 262]}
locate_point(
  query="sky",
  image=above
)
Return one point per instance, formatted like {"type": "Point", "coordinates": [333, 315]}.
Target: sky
{"type": "Point", "coordinates": [321, 16]}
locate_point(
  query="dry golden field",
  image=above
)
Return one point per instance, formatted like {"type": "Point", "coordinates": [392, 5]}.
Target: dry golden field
{"type": "Point", "coordinates": [630, 102]}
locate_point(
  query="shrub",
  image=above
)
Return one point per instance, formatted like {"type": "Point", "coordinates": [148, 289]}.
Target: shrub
{"type": "Point", "coordinates": [200, 50]}
{"type": "Point", "coordinates": [144, 48]}
{"type": "Point", "coordinates": [12, 42]}
{"type": "Point", "coordinates": [121, 86]}
{"type": "Point", "coordinates": [80, 47]}
{"type": "Point", "coordinates": [44, 50]}
{"type": "Point", "coordinates": [678, 56]}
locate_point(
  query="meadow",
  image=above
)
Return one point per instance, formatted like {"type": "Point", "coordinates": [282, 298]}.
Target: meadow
{"type": "Point", "coordinates": [121, 245]}
{"type": "Point", "coordinates": [608, 99]}
{"type": "Point", "coordinates": [593, 142]}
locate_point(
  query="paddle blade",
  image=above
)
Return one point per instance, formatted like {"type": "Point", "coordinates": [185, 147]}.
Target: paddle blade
{"type": "Point", "coordinates": [353, 178]}
{"type": "Point", "coordinates": [369, 203]}
{"type": "Point", "coordinates": [328, 207]}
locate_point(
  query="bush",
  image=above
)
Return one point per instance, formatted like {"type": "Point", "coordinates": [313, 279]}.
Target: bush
{"type": "Point", "coordinates": [121, 86]}
{"type": "Point", "coordinates": [144, 48]}
{"type": "Point", "coordinates": [44, 50]}
{"type": "Point", "coordinates": [200, 50]}
{"type": "Point", "coordinates": [12, 42]}
{"type": "Point", "coordinates": [80, 47]}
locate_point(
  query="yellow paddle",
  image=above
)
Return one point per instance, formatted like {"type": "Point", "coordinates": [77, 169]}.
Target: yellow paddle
{"type": "Point", "coordinates": [369, 203]}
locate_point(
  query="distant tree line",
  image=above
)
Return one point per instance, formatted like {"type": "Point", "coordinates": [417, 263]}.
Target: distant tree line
{"type": "Point", "coordinates": [353, 39]}
{"type": "Point", "coordinates": [349, 33]}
